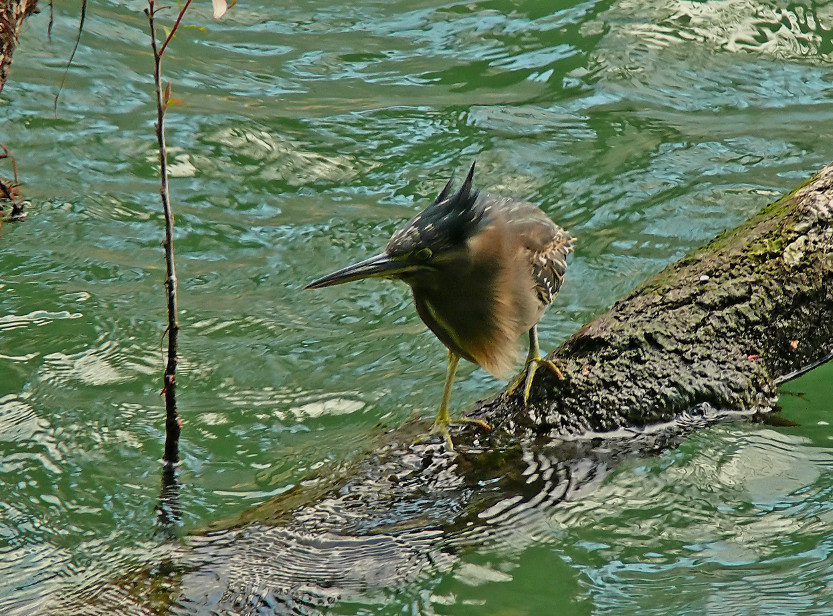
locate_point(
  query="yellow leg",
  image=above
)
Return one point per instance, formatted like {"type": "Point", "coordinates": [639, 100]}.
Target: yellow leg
{"type": "Point", "coordinates": [533, 361]}
{"type": "Point", "coordinates": [443, 419]}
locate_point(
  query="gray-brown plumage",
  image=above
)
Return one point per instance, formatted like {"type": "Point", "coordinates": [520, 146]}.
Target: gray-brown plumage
{"type": "Point", "coordinates": [483, 270]}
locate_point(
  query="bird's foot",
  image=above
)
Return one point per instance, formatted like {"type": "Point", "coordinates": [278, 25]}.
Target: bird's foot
{"type": "Point", "coordinates": [528, 374]}
{"type": "Point", "coordinates": [441, 428]}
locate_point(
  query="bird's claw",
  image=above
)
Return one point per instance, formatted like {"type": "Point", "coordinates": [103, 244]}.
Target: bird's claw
{"type": "Point", "coordinates": [528, 374]}
{"type": "Point", "coordinates": [553, 368]}
{"type": "Point", "coordinates": [474, 422]}
{"type": "Point", "coordinates": [437, 428]}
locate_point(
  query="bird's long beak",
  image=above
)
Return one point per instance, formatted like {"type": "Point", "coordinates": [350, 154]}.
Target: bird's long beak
{"type": "Point", "coordinates": [379, 266]}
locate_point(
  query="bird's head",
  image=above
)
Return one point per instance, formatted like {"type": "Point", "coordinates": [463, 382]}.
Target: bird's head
{"type": "Point", "coordinates": [434, 236]}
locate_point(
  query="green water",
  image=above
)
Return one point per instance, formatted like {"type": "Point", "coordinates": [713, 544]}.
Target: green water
{"type": "Point", "coordinates": [307, 133]}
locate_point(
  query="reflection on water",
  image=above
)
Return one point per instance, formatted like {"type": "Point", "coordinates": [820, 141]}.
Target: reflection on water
{"type": "Point", "coordinates": [413, 527]}
{"type": "Point", "coordinates": [306, 136]}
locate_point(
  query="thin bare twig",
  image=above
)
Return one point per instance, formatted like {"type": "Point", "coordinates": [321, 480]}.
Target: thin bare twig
{"type": "Point", "coordinates": [169, 512]}
{"type": "Point", "coordinates": [74, 49]}
{"type": "Point", "coordinates": [51, 21]}
{"type": "Point", "coordinates": [176, 25]}
{"type": "Point", "coordinates": [172, 423]}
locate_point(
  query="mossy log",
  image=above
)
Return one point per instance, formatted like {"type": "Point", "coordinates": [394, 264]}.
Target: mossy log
{"type": "Point", "coordinates": [708, 338]}
{"type": "Point", "coordinates": [719, 329]}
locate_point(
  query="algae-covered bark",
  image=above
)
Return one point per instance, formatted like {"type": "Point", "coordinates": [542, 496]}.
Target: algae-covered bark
{"type": "Point", "coordinates": [707, 338]}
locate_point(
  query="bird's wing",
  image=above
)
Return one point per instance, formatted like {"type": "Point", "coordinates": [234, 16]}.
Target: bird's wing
{"type": "Point", "coordinates": [545, 243]}
{"type": "Point", "coordinates": [549, 264]}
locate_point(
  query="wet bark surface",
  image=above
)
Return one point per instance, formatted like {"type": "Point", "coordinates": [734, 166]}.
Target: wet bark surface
{"type": "Point", "coordinates": [708, 339]}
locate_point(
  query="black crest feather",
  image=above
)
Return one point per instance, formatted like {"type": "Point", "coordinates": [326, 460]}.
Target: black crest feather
{"type": "Point", "coordinates": [445, 192]}
{"type": "Point", "coordinates": [448, 222]}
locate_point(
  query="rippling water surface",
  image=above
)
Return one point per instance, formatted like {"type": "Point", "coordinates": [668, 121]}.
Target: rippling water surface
{"type": "Point", "coordinates": [307, 133]}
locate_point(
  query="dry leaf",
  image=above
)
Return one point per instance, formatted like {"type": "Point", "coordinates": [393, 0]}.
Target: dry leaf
{"type": "Point", "coordinates": [220, 8]}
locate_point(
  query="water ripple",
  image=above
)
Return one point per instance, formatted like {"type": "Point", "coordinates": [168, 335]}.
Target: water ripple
{"type": "Point", "coordinates": [304, 139]}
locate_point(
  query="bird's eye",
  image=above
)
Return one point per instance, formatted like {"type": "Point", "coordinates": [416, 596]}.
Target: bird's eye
{"type": "Point", "coordinates": [423, 254]}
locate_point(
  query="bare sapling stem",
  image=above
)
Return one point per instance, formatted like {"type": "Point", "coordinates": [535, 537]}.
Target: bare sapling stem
{"type": "Point", "coordinates": [172, 422]}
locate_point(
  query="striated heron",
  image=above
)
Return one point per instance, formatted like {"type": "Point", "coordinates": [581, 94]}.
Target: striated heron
{"type": "Point", "coordinates": [483, 270]}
